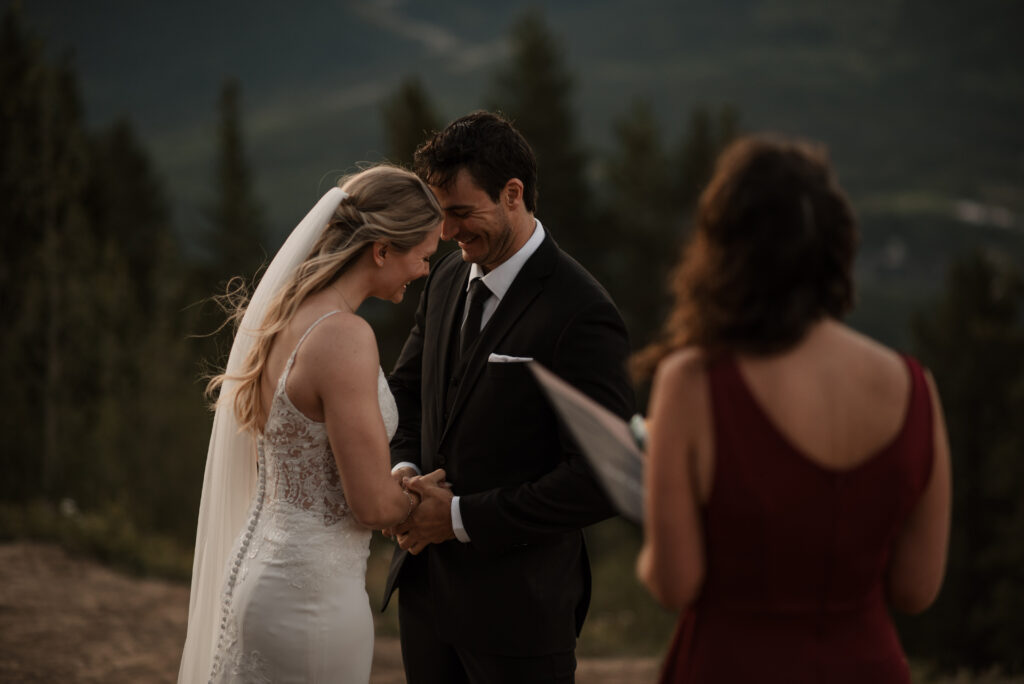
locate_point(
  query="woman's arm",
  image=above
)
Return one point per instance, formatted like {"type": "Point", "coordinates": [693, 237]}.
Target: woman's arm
{"type": "Point", "coordinates": [918, 561]}
{"type": "Point", "coordinates": [671, 563]}
{"type": "Point", "coordinates": [343, 351]}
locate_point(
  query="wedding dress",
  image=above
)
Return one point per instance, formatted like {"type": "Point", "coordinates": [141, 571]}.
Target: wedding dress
{"type": "Point", "coordinates": [294, 603]}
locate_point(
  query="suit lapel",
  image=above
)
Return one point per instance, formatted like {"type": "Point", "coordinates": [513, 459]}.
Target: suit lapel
{"type": "Point", "coordinates": [527, 285]}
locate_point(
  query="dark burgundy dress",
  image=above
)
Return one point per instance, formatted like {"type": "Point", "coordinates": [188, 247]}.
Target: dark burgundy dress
{"type": "Point", "coordinates": [794, 588]}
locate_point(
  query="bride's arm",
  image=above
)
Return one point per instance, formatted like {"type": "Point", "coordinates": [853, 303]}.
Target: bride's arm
{"type": "Point", "coordinates": [343, 367]}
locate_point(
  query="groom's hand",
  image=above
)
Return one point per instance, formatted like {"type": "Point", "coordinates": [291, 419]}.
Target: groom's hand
{"type": "Point", "coordinates": [431, 522]}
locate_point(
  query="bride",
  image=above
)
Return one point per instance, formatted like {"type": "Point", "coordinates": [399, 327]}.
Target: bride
{"type": "Point", "coordinates": [298, 468]}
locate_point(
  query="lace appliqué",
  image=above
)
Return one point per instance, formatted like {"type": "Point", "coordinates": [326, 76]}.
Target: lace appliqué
{"type": "Point", "coordinates": [303, 473]}
{"type": "Point", "coordinates": [248, 667]}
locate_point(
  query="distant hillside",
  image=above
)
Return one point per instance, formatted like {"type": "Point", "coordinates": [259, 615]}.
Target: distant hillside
{"type": "Point", "coordinates": [909, 94]}
{"type": "Point", "coordinates": [903, 262]}
{"type": "Point", "coordinates": [919, 102]}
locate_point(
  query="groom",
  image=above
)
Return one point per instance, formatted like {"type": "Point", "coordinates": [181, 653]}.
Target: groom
{"type": "Point", "coordinates": [495, 580]}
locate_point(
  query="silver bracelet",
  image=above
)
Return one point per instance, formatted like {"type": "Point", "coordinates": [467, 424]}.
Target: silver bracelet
{"type": "Point", "coordinates": [412, 507]}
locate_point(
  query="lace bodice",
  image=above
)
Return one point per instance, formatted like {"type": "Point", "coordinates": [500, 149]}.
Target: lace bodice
{"type": "Point", "coordinates": [301, 470]}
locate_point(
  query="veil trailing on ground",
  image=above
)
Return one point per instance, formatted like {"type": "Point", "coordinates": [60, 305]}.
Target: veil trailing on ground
{"type": "Point", "coordinates": [230, 479]}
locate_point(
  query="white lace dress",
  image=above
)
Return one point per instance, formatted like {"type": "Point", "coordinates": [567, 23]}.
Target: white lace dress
{"type": "Point", "coordinates": [295, 604]}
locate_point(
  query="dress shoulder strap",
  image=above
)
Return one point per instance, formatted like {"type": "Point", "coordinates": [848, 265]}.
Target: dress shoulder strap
{"type": "Point", "coordinates": [917, 432]}
{"type": "Point", "coordinates": [291, 359]}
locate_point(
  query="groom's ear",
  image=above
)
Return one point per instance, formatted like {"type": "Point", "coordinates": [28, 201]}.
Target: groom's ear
{"type": "Point", "coordinates": [512, 192]}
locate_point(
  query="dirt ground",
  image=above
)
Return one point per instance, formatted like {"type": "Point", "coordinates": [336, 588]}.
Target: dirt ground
{"type": "Point", "coordinates": [65, 619]}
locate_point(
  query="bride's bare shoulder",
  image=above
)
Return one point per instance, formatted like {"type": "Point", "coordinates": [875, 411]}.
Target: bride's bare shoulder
{"type": "Point", "coordinates": [342, 343]}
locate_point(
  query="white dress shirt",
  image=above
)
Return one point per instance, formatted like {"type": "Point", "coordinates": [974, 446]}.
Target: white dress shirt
{"type": "Point", "coordinates": [498, 281]}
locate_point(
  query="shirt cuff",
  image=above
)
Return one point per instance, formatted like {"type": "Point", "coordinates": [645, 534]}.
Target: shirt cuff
{"type": "Point", "coordinates": [460, 531]}
{"type": "Point", "coordinates": [406, 464]}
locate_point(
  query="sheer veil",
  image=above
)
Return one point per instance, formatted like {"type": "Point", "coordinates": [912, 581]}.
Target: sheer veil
{"type": "Point", "coordinates": [230, 479]}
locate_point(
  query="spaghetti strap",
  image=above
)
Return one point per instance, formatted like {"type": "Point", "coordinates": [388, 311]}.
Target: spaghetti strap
{"type": "Point", "coordinates": [291, 359]}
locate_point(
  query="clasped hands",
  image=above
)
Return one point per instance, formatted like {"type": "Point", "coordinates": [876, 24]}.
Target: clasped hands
{"type": "Point", "coordinates": [431, 520]}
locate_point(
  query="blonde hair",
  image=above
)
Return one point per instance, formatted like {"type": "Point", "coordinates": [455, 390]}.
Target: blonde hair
{"type": "Point", "coordinates": [385, 203]}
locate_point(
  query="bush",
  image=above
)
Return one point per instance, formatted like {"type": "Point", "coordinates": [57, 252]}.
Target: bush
{"type": "Point", "coordinates": [108, 535]}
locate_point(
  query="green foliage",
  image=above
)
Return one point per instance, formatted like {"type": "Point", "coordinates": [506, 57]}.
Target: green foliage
{"type": "Point", "coordinates": [706, 136]}
{"type": "Point", "coordinates": [973, 341]}
{"type": "Point", "coordinates": [533, 90]}
{"type": "Point", "coordinates": [236, 233]}
{"type": "Point", "coordinates": [109, 535]}
{"type": "Point", "coordinates": [94, 350]}
{"type": "Point", "coordinates": [41, 184]}
{"type": "Point", "coordinates": [651, 196]}
{"type": "Point", "coordinates": [921, 673]}
{"type": "Point", "coordinates": [644, 213]}
{"type": "Point", "coordinates": [623, 618]}
{"type": "Point", "coordinates": [234, 237]}
{"type": "Point", "coordinates": [409, 118]}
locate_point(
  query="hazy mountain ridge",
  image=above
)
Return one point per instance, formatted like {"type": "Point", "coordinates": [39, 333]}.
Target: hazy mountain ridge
{"type": "Point", "coordinates": [920, 103]}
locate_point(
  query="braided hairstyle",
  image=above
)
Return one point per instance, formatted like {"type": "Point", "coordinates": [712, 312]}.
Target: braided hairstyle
{"type": "Point", "coordinates": [385, 203]}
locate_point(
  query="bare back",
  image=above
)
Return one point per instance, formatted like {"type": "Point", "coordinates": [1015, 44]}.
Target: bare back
{"type": "Point", "coordinates": [837, 397]}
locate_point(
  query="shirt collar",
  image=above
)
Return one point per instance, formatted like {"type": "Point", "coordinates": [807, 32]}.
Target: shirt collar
{"type": "Point", "coordinates": [499, 279]}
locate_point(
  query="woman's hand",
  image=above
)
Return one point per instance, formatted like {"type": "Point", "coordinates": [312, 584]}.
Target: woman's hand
{"type": "Point", "coordinates": [431, 522]}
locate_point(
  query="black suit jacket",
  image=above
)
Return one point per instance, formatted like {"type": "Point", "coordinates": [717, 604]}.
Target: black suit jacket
{"type": "Point", "coordinates": [522, 585]}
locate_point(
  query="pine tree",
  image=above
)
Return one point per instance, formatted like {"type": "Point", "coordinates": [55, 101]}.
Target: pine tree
{"type": "Point", "coordinates": [973, 341]}
{"type": "Point", "coordinates": [533, 90]}
{"type": "Point", "coordinates": [237, 234]}
{"type": "Point", "coordinates": [126, 203]}
{"type": "Point", "coordinates": [91, 289]}
{"type": "Point", "coordinates": [706, 136]}
{"type": "Point", "coordinates": [22, 173]}
{"type": "Point", "coordinates": [235, 230]}
{"type": "Point", "coordinates": [147, 390]}
{"type": "Point", "coordinates": [45, 241]}
{"type": "Point", "coordinates": [409, 119]}
{"type": "Point", "coordinates": [645, 220]}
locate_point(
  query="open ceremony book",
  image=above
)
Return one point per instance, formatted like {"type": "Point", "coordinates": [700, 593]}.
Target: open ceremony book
{"type": "Point", "coordinates": [610, 444]}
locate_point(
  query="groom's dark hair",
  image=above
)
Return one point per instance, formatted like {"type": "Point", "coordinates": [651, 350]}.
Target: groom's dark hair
{"type": "Point", "coordinates": [489, 147]}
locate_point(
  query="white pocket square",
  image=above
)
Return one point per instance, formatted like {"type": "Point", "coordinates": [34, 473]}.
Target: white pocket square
{"type": "Point", "coordinates": [501, 358]}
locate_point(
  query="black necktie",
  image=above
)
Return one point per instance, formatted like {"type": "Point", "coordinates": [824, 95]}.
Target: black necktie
{"type": "Point", "coordinates": [478, 294]}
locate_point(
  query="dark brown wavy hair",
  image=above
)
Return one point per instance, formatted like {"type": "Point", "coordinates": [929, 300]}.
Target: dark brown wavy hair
{"type": "Point", "coordinates": [489, 147]}
{"type": "Point", "coordinates": [771, 253]}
